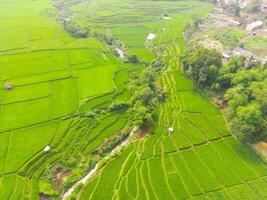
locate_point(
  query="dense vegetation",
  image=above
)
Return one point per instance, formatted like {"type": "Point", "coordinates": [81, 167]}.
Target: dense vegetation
{"type": "Point", "coordinates": [243, 86]}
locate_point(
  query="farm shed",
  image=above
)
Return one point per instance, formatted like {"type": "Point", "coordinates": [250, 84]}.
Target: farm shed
{"type": "Point", "coordinates": [47, 149]}
{"type": "Point", "coordinates": [254, 26]}
{"type": "Point", "coordinates": [8, 86]}
{"type": "Point", "coordinates": [170, 130]}
{"type": "Point", "coordinates": [226, 56]}
{"type": "Point", "coordinates": [151, 36]}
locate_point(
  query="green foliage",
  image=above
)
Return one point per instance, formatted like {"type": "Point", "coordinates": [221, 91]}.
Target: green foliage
{"type": "Point", "coordinates": [247, 102]}
{"type": "Point", "coordinates": [145, 96]}
{"type": "Point", "coordinates": [47, 189]}
{"type": "Point", "coordinates": [76, 30]}
{"type": "Point", "coordinates": [233, 8]}
{"type": "Point", "coordinates": [201, 64]}
{"type": "Point", "coordinates": [245, 89]}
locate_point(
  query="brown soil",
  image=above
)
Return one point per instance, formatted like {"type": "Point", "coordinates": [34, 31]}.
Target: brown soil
{"type": "Point", "coordinates": [144, 131]}
{"type": "Point", "coordinates": [261, 147]}
{"type": "Point", "coordinates": [44, 197]}
{"type": "Point", "coordinates": [60, 176]}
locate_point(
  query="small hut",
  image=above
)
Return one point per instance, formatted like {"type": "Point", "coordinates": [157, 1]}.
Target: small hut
{"type": "Point", "coordinates": [226, 56]}
{"type": "Point", "coordinates": [151, 36]}
{"type": "Point", "coordinates": [8, 86]}
{"type": "Point", "coordinates": [170, 130]}
{"type": "Point", "coordinates": [47, 149]}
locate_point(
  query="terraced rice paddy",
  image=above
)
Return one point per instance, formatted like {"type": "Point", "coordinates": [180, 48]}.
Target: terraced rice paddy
{"type": "Point", "coordinates": [57, 79]}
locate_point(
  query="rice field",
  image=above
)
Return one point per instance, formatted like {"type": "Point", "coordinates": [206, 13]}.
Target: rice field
{"type": "Point", "coordinates": [57, 79]}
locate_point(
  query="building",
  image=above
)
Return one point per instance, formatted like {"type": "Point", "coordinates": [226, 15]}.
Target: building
{"type": "Point", "coordinates": [47, 149]}
{"type": "Point", "coordinates": [151, 36]}
{"type": "Point", "coordinates": [170, 130]}
{"type": "Point", "coordinates": [8, 86]}
{"type": "Point", "coordinates": [226, 56]}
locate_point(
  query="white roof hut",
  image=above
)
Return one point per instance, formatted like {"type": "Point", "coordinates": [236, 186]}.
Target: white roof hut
{"type": "Point", "coordinates": [151, 36]}
{"type": "Point", "coordinates": [8, 86]}
{"type": "Point", "coordinates": [170, 130]}
{"type": "Point", "coordinates": [226, 56]}
{"type": "Point", "coordinates": [254, 26]}
{"type": "Point", "coordinates": [47, 149]}
{"type": "Point", "coordinates": [166, 17]}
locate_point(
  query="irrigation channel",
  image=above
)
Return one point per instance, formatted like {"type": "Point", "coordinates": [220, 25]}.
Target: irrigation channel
{"type": "Point", "coordinates": [98, 165]}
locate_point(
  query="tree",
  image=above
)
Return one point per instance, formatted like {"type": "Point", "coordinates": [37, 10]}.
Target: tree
{"type": "Point", "coordinates": [248, 122]}
{"type": "Point", "coordinates": [233, 8]}
{"type": "Point", "coordinates": [225, 73]}
{"type": "Point", "coordinates": [133, 59]}
{"type": "Point", "coordinates": [201, 64]}
{"type": "Point", "coordinates": [140, 113]}
{"type": "Point", "coordinates": [236, 97]}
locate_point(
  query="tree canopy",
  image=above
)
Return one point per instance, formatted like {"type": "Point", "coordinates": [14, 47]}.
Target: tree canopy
{"type": "Point", "coordinates": [244, 88]}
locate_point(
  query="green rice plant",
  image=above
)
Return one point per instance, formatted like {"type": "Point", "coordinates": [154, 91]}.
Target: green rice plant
{"type": "Point", "coordinates": [158, 179]}
{"type": "Point", "coordinates": [248, 156]}
{"type": "Point", "coordinates": [185, 174]}
{"type": "Point", "coordinates": [180, 139]}
{"type": "Point", "coordinates": [148, 147]}
{"type": "Point", "coordinates": [142, 54]}
{"type": "Point", "coordinates": [89, 188]}
{"type": "Point", "coordinates": [103, 80]}
{"type": "Point", "coordinates": [202, 124]}
{"type": "Point", "coordinates": [123, 193]}
{"type": "Point", "coordinates": [218, 195]}
{"type": "Point", "coordinates": [21, 184]}
{"type": "Point", "coordinates": [106, 132]}
{"type": "Point", "coordinates": [141, 192]}
{"type": "Point", "coordinates": [4, 143]}
{"type": "Point", "coordinates": [195, 102]}
{"type": "Point", "coordinates": [218, 166]}
{"type": "Point", "coordinates": [132, 184]}
{"type": "Point", "coordinates": [64, 97]}
{"type": "Point", "coordinates": [259, 187]}
{"type": "Point", "coordinates": [109, 177]}
{"type": "Point", "coordinates": [27, 113]}
{"type": "Point", "coordinates": [27, 92]}
{"type": "Point", "coordinates": [218, 122]}
{"type": "Point", "coordinates": [233, 160]}
{"type": "Point", "coordinates": [242, 191]}
{"type": "Point", "coordinates": [42, 77]}
{"type": "Point", "coordinates": [200, 171]}
{"type": "Point", "coordinates": [61, 128]}
{"type": "Point", "coordinates": [168, 145]}
{"type": "Point", "coordinates": [181, 82]}
{"type": "Point", "coordinates": [174, 180]}
{"type": "Point", "coordinates": [7, 186]}
{"type": "Point", "coordinates": [200, 197]}
{"type": "Point", "coordinates": [36, 138]}
{"type": "Point", "coordinates": [158, 147]}
{"type": "Point", "coordinates": [146, 180]}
